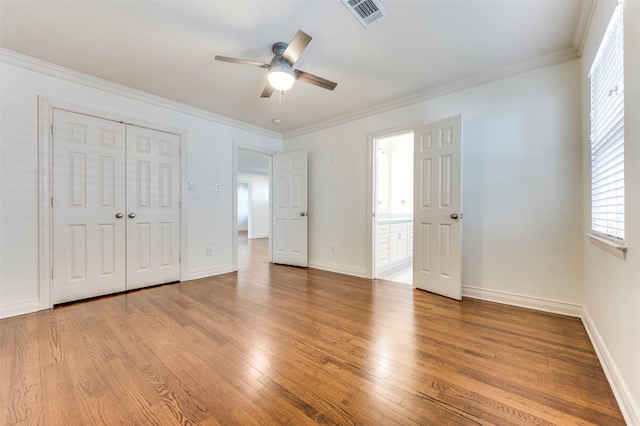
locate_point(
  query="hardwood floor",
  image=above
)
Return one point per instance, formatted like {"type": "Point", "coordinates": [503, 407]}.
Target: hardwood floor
{"type": "Point", "coordinates": [280, 345]}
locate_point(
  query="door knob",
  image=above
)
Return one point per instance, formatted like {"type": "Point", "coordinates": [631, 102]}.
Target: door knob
{"type": "Point", "coordinates": [119, 215]}
{"type": "Point", "coordinates": [454, 216]}
{"type": "Point", "coordinates": [303, 214]}
{"type": "Point", "coordinates": [132, 215]}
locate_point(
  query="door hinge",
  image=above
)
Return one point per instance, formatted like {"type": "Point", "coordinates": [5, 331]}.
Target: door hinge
{"type": "Point", "coordinates": [51, 201]}
{"type": "Point", "coordinates": [179, 204]}
{"type": "Point", "coordinates": [52, 274]}
{"type": "Point", "coordinates": [51, 128]}
{"type": "Point", "coordinates": [179, 257]}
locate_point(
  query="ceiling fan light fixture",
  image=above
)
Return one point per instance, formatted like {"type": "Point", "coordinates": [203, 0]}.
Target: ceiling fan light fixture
{"type": "Point", "coordinates": [281, 77]}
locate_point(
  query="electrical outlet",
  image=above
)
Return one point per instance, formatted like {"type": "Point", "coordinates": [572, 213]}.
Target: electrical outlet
{"type": "Point", "coordinates": [209, 251]}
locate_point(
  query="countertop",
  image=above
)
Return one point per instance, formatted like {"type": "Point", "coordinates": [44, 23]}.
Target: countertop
{"type": "Point", "coordinates": [390, 220]}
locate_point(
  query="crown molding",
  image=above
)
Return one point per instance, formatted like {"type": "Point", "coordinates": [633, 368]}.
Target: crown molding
{"type": "Point", "coordinates": [32, 64]}
{"type": "Point", "coordinates": [553, 58]}
{"type": "Point", "coordinates": [587, 10]}
{"type": "Point", "coordinates": [559, 56]}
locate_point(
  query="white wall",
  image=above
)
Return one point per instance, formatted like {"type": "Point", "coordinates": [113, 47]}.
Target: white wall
{"type": "Point", "coordinates": [259, 200]}
{"type": "Point", "coordinates": [402, 177]}
{"type": "Point", "coordinates": [612, 285]}
{"type": "Point", "coordinates": [243, 205]}
{"type": "Point", "coordinates": [395, 175]}
{"type": "Point", "coordinates": [523, 218]}
{"type": "Point", "coordinates": [208, 148]}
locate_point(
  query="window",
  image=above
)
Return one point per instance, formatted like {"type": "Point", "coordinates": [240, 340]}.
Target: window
{"type": "Point", "coordinates": [607, 133]}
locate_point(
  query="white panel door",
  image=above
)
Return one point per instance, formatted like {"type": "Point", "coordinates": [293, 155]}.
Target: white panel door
{"type": "Point", "coordinates": [116, 212]}
{"type": "Point", "coordinates": [153, 209]}
{"type": "Point", "coordinates": [438, 208]}
{"type": "Point", "coordinates": [88, 207]}
{"type": "Point", "coordinates": [290, 209]}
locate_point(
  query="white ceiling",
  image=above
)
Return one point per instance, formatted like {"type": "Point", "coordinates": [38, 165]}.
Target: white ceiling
{"type": "Point", "coordinates": [167, 48]}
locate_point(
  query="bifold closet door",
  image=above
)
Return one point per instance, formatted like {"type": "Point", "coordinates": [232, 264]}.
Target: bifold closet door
{"type": "Point", "coordinates": [153, 209]}
{"type": "Point", "coordinates": [88, 207]}
{"type": "Point", "coordinates": [116, 211]}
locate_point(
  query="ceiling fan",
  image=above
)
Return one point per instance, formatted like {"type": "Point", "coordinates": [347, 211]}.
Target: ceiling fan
{"type": "Point", "coordinates": [281, 75]}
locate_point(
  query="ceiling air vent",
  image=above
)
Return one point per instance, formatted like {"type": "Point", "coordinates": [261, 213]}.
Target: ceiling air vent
{"type": "Point", "coordinates": [368, 12]}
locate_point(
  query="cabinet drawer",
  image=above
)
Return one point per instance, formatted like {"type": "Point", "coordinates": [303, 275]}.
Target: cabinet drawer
{"type": "Point", "coordinates": [383, 258]}
{"type": "Point", "coordinates": [398, 227]}
{"type": "Point", "coordinates": [383, 229]}
{"type": "Point", "coordinates": [383, 242]}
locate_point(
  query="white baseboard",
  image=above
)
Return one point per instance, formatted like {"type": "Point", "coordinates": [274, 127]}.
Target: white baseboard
{"type": "Point", "coordinates": [209, 272]}
{"type": "Point", "coordinates": [531, 302]}
{"type": "Point", "coordinates": [340, 269]}
{"type": "Point", "coordinates": [20, 308]}
{"type": "Point", "coordinates": [626, 402]}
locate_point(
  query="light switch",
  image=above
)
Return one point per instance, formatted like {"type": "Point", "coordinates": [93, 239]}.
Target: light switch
{"type": "Point", "coordinates": [190, 186]}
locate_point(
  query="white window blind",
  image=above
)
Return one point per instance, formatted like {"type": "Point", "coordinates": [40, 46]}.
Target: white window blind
{"type": "Point", "coordinates": [607, 133]}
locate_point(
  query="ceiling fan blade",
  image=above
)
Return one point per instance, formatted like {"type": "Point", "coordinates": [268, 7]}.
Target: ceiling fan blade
{"type": "Point", "coordinates": [295, 48]}
{"type": "Point", "coordinates": [241, 61]}
{"type": "Point", "coordinates": [315, 80]}
{"type": "Point", "coordinates": [268, 91]}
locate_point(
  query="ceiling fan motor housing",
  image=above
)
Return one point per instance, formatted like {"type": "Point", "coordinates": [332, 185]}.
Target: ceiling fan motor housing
{"type": "Point", "coordinates": [279, 48]}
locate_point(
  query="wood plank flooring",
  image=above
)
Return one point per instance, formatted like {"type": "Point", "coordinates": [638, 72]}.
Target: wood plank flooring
{"type": "Point", "coordinates": [280, 345]}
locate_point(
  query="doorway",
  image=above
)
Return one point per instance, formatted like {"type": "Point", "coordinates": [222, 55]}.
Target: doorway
{"type": "Point", "coordinates": [393, 201]}
{"type": "Point", "coordinates": [252, 208]}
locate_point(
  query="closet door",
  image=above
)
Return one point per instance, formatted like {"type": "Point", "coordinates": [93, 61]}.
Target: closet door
{"type": "Point", "coordinates": [153, 207]}
{"type": "Point", "coordinates": [88, 206]}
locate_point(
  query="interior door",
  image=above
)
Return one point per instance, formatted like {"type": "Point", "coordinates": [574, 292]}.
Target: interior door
{"type": "Point", "coordinates": [290, 208]}
{"type": "Point", "coordinates": [88, 207]}
{"type": "Point", "coordinates": [153, 209]}
{"type": "Point", "coordinates": [116, 211]}
{"type": "Point", "coordinates": [437, 214]}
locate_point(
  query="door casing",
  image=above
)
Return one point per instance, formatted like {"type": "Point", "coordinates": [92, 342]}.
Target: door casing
{"type": "Point", "coordinates": [234, 233]}
{"type": "Point", "coordinates": [46, 106]}
{"type": "Point", "coordinates": [371, 188]}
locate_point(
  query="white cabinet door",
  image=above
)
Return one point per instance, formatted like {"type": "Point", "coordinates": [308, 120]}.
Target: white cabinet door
{"type": "Point", "coordinates": [398, 249]}
{"type": "Point", "coordinates": [88, 207]}
{"type": "Point", "coordinates": [438, 208]}
{"type": "Point", "coordinates": [153, 210]}
{"type": "Point", "coordinates": [290, 208]}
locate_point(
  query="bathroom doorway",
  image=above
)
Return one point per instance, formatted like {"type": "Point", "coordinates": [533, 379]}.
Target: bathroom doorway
{"type": "Point", "coordinates": [393, 201]}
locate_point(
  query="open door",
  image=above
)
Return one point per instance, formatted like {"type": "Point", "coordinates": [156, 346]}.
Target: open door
{"type": "Point", "coordinates": [437, 256]}
{"type": "Point", "coordinates": [290, 209]}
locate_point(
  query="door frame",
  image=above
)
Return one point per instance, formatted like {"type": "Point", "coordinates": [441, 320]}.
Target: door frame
{"type": "Point", "coordinates": [46, 106]}
{"type": "Point", "coordinates": [239, 146]}
{"type": "Point", "coordinates": [372, 194]}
